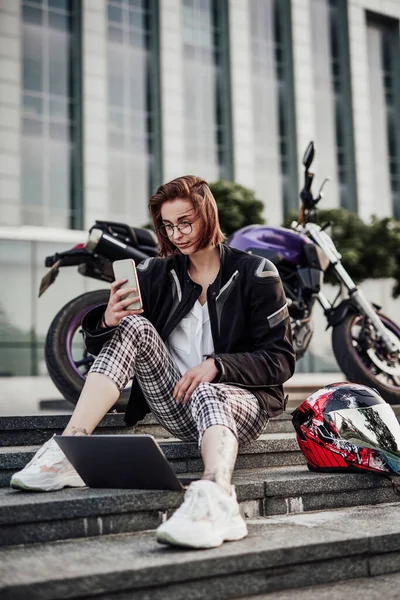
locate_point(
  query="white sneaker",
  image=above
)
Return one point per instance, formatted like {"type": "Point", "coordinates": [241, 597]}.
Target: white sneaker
{"type": "Point", "coordinates": [208, 517]}
{"type": "Point", "coordinates": [48, 470]}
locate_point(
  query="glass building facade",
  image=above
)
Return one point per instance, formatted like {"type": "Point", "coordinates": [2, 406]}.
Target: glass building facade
{"type": "Point", "coordinates": [51, 107]}
{"type": "Point", "coordinates": [206, 81]}
{"type": "Point", "coordinates": [273, 101]}
{"type": "Point", "coordinates": [226, 75]}
{"type": "Point", "coordinates": [384, 80]}
{"type": "Point", "coordinates": [133, 104]}
{"type": "Point", "coordinates": [333, 106]}
{"type": "Point", "coordinates": [24, 318]}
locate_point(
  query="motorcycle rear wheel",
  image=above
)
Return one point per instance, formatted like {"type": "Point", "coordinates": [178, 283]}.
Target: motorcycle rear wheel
{"type": "Point", "coordinates": [68, 366]}
{"type": "Point", "coordinates": [362, 358]}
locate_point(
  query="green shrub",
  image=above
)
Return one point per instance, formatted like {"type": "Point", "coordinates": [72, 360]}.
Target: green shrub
{"type": "Point", "coordinates": [237, 206]}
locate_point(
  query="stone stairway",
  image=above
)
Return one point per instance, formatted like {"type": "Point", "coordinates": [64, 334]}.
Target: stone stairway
{"type": "Point", "coordinates": [280, 553]}
{"type": "Point", "coordinates": [305, 528]}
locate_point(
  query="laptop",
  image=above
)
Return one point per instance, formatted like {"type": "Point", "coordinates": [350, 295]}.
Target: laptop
{"type": "Point", "coordinates": [120, 461]}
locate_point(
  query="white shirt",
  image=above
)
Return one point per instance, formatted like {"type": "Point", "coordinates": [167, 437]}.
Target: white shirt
{"type": "Point", "coordinates": [191, 339]}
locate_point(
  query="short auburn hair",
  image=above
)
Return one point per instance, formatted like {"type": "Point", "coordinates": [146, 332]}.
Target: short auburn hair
{"type": "Point", "coordinates": [198, 192]}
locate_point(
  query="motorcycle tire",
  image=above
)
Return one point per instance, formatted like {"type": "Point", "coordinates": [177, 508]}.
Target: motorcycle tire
{"type": "Point", "coordinates": [61, 366]}
{"type": "Point", "coordinates": [356, 363]}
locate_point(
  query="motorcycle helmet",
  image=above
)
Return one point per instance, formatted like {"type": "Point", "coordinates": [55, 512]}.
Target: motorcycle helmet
{"type": "Point", "coordinates": [348, 427]}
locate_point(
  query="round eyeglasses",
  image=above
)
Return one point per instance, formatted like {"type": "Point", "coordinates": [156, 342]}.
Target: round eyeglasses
{"type": "Point", "coordinates": [184, 227]}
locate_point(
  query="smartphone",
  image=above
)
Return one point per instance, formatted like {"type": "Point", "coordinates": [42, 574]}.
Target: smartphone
{"type": "Point", "coordinates": [126, 269]}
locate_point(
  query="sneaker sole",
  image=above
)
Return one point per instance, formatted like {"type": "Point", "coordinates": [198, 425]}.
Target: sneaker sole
{"type": "Point", "coordinates": [45, 486]}
{"type": "Point", "coordinates": [236, 531]}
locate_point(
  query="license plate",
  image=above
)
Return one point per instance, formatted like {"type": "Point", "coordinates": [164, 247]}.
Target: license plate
{"type": "Point", "coordinates": [49, 278]}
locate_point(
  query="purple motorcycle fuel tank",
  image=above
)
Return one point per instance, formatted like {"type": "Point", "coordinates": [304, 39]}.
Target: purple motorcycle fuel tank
{"type": "Point", "coordinates": [278, 240]}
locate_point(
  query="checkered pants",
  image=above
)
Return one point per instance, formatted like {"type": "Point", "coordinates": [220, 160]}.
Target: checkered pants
{"type": "Point", "coordinates": [137, 349]}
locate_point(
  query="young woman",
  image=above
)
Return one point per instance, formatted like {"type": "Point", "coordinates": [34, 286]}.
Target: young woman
{"type": "Point", "coordinates": [209, 353]}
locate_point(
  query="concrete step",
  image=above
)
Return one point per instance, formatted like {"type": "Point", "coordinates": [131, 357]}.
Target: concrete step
{"type": "Point", "coordinates": [363, 588]}
{"type": "Point", "coordinates": [269, 450]}
{"type": "Point", "coordinates": [280, 553]}
{"type": "Point", "coordinates": [32, 430]}
{"type": "Point", "coordinates": [280, 424]}
{"type": "Point", "coordinates": [27, 518]}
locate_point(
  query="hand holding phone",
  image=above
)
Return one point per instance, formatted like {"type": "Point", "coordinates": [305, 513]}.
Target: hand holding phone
{"type": "Point", "coordinates": [125, 297]}
{"type": "Point", "coordinates": [126, 269]}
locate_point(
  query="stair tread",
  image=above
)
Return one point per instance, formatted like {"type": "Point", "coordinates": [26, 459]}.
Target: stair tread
{"type": "Point", "coordinates": [172, 440]}
{"type": "Point", "coordinates": [45, 421]}
{"type": "Point", "coordinates": [17, 449]}
{"type": "Point", "coordinates": [23, 507]}
{"type": "Point", "coordinates": [174, 446]}
{"type": "Point", "coordinates": [136, 561]}
{"type": "Point", "coordinates": [58, 420]}
{"type": "Point", "coordinates": [362, 588]}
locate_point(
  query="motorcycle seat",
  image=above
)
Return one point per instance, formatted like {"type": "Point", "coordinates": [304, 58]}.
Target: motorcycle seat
{"type": "Point", "coordinates": [144, 237]}
{"type": "Point", "coordinates": [137, 236]}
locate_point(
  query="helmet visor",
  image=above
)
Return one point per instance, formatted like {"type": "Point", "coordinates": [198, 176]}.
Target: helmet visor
{"type": "Point", "coordinates": [373, 427]}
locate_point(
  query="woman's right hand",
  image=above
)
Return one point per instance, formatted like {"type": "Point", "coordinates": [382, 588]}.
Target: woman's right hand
{"type": "Point", "coordinates": [116, 308]}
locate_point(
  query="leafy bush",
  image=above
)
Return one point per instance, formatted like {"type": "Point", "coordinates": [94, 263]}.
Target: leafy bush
{"type": "Point", "coordinates": [237, 206]}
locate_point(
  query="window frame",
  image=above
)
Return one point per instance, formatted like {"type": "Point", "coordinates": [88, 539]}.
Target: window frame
{"type": "Point", "coordinates": [73, 122]}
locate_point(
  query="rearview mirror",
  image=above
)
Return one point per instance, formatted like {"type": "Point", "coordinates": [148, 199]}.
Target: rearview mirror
{"type": "Point", "coordinates": [308, 155]}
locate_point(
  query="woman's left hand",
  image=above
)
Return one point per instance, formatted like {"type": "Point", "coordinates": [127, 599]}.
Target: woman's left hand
{"type": "Point", "coordinates": [204, 372]}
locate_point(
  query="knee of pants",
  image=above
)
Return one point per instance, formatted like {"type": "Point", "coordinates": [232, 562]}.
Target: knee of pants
{"type": "Point", "coordinates": [204, 394]}
{"type": "Point", "coordinates": [135, 325]}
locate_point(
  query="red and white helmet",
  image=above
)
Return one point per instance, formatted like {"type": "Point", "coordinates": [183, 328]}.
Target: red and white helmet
{"type": "Point", "coordinates": [348, 427]}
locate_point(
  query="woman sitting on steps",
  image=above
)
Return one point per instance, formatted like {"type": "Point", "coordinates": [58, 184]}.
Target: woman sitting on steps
{"type": "Point", "coordinates": [209, 353]}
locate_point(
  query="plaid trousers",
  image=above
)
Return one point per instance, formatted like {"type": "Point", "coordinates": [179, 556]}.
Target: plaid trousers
{"type": "Point", "coordinates": [136, 349]}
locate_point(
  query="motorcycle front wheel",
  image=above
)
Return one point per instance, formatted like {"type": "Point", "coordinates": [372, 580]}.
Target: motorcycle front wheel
{"type": "Point", "coordinates": [364, 359]}
{"type": "Point", "coordinates": [67, 359]}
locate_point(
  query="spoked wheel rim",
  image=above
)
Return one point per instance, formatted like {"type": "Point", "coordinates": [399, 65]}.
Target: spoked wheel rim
{"type": "Point", "coordinates": [372, 353]}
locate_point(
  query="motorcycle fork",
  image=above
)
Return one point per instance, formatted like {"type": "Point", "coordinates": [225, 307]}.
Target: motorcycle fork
{"type": "Point", "coordinates": [324, 302]}
{"type": "Point", "coordinates": [364, 306]}
{"type": "Point", "coordinates": [366, 309]}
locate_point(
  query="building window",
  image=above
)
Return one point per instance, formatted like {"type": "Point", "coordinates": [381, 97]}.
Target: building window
{"type": "Point", "coordinates": [384, 79]}
{"type": "Point", "coordinates": [51, 124]}
{"type": "Point", "coordinates": [133, 107]}
{"type": "Point", "coordinates": [333, 106]}
{"type": "Point", "coordinates": [207, 112]}
{"type": "Point", "coordinates": [24, 321]}
{"type": "Point", "coordinates": [273, 101]}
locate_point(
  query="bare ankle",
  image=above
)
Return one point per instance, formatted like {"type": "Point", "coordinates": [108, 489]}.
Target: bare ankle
{"type": "Point", "coordinates": [213, 476]}
{"type": "Point", "coordinates": [75, 431]}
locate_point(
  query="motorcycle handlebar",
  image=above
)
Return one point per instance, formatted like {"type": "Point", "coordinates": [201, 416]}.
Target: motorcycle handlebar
{"type": "Point", "coordinates": [308, 202]}
{"type": "Point", "coordinates": [308, 179]}
{"type": "Point", "coordinates": [307, 199]}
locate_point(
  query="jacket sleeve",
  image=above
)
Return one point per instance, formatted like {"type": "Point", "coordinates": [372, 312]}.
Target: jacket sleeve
{"type": "Point", "coordinates": [94, 335]}
{"type": "Point", "coordinates": [271, 360]}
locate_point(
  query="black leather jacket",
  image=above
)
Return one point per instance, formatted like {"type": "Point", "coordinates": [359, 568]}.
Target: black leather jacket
{"type": "Point", "coordinates": [249, 319]}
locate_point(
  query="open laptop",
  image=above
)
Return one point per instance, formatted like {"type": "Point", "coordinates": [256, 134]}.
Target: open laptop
{"type": "Point", "coordinates": [120, 461]}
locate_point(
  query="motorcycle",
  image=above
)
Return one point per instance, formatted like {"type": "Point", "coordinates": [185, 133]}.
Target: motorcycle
{"type": "Point", "coordinates": [365, 342]}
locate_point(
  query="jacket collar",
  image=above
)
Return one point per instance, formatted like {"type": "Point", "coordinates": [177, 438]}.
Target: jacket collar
{"type": "Point", "coordinates": [183, 261]}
